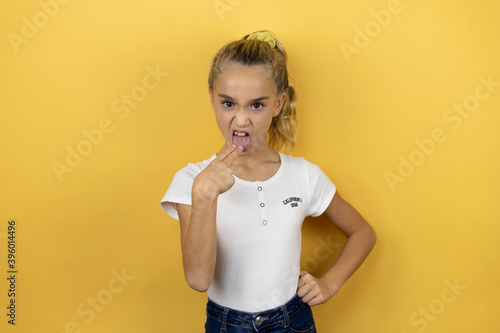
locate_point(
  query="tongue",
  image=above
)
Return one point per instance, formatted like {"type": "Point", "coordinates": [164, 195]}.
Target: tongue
{"type": "Point", "coordinates": [243, 141]}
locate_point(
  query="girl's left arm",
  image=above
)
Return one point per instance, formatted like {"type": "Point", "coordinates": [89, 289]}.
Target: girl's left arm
{"type": "Point", "coordinates": [360, 240]}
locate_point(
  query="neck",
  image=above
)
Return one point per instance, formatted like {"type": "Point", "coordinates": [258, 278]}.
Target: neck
{"type": "Point", "coordinates": [257, 167]}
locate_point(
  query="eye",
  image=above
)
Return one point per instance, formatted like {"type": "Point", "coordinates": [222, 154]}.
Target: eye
{"type": "Point", "coordinates": [257, 106]}
{"type": "Point", "coordinates": [227, 104]}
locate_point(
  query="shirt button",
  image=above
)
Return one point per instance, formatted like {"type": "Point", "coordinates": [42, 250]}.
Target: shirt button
{"type": "Point", "coordinates": [262, 204]}
{"type": "Point", "coordinates": [264, 222]}
{"type": "Point", "coordinates": [259, 188]}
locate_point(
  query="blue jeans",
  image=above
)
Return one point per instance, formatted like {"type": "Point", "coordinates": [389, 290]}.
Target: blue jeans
{"type": "Point", "coordinates": [294, 316]}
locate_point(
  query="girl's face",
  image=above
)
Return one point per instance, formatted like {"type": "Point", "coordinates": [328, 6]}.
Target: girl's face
{"type": "Point", "coordinates": [244, 100]}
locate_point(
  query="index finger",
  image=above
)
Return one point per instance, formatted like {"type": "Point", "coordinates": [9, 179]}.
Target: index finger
{"type": "Point", "coordinates": [225, 152]}
{"type": "Point", "coordinates": [233, 154]}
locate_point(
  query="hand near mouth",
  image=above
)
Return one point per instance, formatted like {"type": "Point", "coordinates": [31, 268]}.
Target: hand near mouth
{"type": "Point", "coordinates": [217, 177]}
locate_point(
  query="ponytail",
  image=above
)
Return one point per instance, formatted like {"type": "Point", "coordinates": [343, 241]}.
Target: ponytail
{"type": "Point", "coordinates": [283, 129]}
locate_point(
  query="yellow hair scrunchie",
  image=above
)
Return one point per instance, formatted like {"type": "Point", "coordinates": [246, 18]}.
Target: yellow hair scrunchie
{"type": "Point", "coordinates": [263, 37]}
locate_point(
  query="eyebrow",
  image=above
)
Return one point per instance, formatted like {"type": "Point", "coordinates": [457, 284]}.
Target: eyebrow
{"type": "Point", "coordinates": [253, 100]}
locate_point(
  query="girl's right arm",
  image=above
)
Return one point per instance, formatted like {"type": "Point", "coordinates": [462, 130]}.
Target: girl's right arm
{"type": "Point", "coordinates": [197, 222]}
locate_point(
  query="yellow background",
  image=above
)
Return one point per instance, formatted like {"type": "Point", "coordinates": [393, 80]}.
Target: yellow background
{"type": "Point", "coordinates": [357, 113]}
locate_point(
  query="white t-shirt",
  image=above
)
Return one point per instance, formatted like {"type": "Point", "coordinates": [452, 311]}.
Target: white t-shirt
{"type": "Point", "coordinates": [258, 231]}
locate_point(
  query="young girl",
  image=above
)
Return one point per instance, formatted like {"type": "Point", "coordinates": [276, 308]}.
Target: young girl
{"type": "Point", "coordinates": [242, 209]}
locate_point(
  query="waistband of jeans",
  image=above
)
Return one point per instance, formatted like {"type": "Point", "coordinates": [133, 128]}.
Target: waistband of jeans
{"type": "Point", "coordinates": [292, 306]}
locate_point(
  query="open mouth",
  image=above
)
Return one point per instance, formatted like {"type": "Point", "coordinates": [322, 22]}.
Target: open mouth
{"type": "Point", "coordinates": [242, 138]}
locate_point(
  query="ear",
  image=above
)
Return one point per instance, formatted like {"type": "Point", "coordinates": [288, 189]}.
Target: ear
{"type": "Point", "coordinates": [279, 104]}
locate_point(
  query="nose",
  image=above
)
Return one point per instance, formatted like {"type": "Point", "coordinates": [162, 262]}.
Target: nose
{"type": "Point", "coordinates": [241, 117]}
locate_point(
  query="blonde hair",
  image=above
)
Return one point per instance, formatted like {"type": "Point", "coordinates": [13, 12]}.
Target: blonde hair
{"type": "Point", "coordinates": [283, 127]}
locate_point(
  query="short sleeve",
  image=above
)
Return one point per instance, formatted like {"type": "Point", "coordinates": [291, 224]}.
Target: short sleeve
{"type": "Point", "coordinates": [321, 188]}
{"type": "Point", "coordinates": [180, 188]}
{"type": "Point", "coordinates": [178, 192]}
